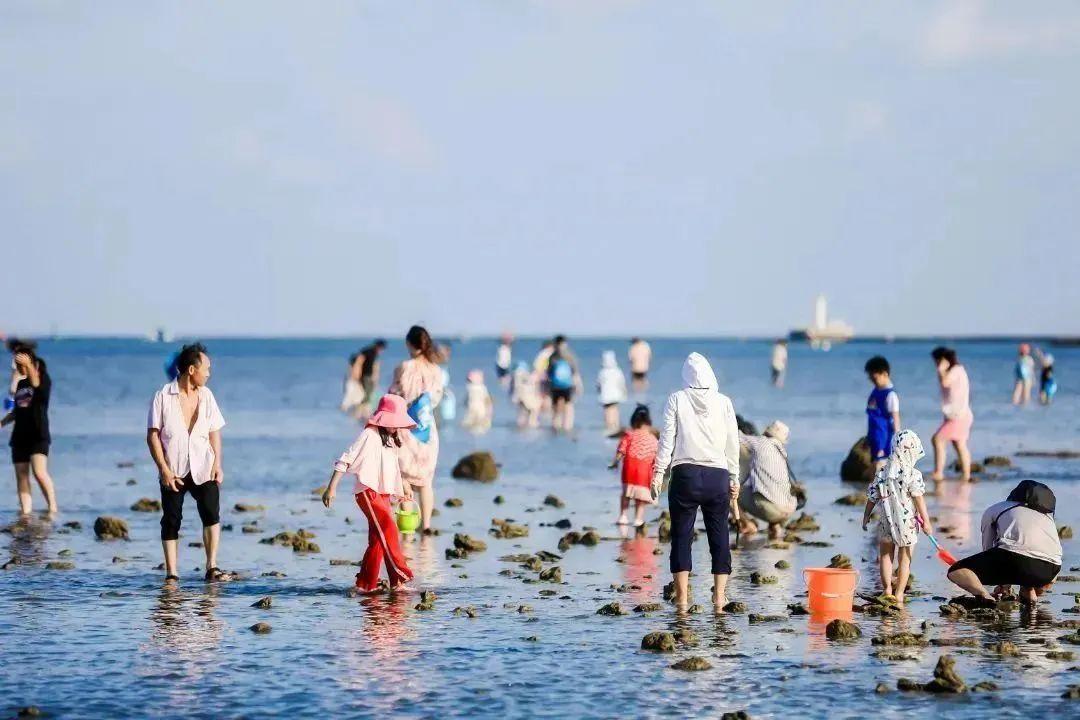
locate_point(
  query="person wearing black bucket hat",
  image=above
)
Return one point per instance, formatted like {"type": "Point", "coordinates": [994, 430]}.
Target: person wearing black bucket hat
{"type": "Point", "coordinates": [1020, 547]}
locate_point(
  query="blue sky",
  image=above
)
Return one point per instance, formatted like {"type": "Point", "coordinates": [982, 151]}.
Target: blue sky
{"type": "Point", "coordinates": [611, 166]}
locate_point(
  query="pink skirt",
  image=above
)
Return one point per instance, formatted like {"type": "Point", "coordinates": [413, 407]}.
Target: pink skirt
{"type": "Point", "coordinates": [956, 429]}
{"type": "Point", "coordinates": [636, 492]}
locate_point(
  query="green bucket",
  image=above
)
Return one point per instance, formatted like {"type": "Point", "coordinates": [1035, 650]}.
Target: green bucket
{"type": "Point", "coordinates": [408, 521]}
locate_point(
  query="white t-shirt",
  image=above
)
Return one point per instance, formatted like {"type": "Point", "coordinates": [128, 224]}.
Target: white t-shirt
{"type": "Point", "coordinates": [503, 357]}
{"type": "Point", "coordinates": [186, 452]}
{"type": "Point", "coordinates": [1021, 530]}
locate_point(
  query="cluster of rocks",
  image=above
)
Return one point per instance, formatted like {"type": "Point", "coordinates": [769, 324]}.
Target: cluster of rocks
{"type": "Point", "coordinates": [300, 541]}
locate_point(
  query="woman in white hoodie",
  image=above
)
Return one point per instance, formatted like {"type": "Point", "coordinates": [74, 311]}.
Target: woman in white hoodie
{"type": "Point", "coordinates": [611, 384]}
{"type": "Point", "coordinates": [700, 445]}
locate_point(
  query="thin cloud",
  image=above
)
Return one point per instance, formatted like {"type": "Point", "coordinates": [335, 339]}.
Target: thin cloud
{"type": "Point", "coordinates": [967, 30]}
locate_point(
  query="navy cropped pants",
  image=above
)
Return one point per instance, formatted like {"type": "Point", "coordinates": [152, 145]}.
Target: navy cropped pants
{"type": "Point", "coordinates": [694, 486]}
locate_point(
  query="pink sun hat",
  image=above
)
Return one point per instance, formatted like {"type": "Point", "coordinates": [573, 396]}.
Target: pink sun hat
{"type": "Point", "coordinates": [391, 414]}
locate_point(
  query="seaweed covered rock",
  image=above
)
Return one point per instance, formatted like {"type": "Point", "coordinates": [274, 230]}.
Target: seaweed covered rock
{"type": "Point", "coordinates": [902, 639]}
{"type": "Point", "coordinates": [757, 578]}
{"type": "Point", "coordinates": [453, 502]}
{"type": "Point", "coordinates": [692, 663]}
{"type": "Point", "coordinates": [805, 522]}
{"type": "Point", "coordinates": [735, 608]}
{"type": "Point", "coordinates": [612, 609]}
{"type": "Point", "coordinates": [946, 679]}
{"type": "Point", "coordinates": [468, 543]}
{"type": "Point", "coordinates": [648, 607]}
{"type": "Point", "coordinates": [479, 466]}
{"type": "Point", "coordinates": [590, 538]}
{"type": "Point", "coordinates": [840, 562]}
{"type": "Point", "coordinates": [107, 527]}
{"type": "Point", "coordinates": [146, 505]}
{"type": "Point", "coordinates": [505, 529]}
{"type": "Point", "coordinates": [858, 466]}
{"type": "Point", "coordinates": [658, 642]}
{"type": "Point", "coordinates": [552, 574]}
{"type": "Point", "coordinates": [570, 538]}
{"type": "Point", "coordinates": [857, 499]}
{"type": "Point", "coordinates": [842, 630]}
{"type": "Point", "coordinates": [554, 501]}
{"type": "Point", "coordinates": [1065, 532]}
{"type": "Point", "coordinates": [997, 461]}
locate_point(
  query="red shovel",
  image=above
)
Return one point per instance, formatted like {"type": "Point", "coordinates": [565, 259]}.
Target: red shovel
{"type": "Point", "coordinates": [943, 555]}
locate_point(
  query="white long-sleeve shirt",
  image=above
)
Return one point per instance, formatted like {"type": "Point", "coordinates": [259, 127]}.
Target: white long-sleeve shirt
{"type": "Point", "coordinates": [699, 425]}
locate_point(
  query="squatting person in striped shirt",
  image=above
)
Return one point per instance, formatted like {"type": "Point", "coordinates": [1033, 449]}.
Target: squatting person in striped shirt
{"type": "Point", "coordinates": [768, 491]}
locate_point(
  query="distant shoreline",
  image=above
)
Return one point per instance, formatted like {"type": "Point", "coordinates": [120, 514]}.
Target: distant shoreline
{"type": "Point", "coordinates": [1060, 340]}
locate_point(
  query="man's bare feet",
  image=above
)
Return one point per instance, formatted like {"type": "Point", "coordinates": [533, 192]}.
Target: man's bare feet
{"type": "Point", "coordinates": [776, 532]}
{"type": "Point", "coordinates": [1028, 596]}
{"type": "Point", "coordinates": [747, 527]}
{"type": "Point", "coordinates": [623, 520]}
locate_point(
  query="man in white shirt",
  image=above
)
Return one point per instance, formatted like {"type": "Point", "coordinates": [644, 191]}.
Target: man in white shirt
{"type": "Point", "coordinates": [184, 437]}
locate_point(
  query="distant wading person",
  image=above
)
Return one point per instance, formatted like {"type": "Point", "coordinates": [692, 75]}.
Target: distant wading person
{"type": "Point", "coordinates": [778, 362]}
{"type": "Point", "coordinates": [420, 381]}
{"type": "Point", "coordinates": [31, 387]}
{"type": "Point", "coordinates": [700, 444]}
{"type": "Point", "coordinates": [184, 437]}
{"type": "Point", "coordinates": [640, 356]}
{"type": "Point", "coordinates": [1025, 375]}
{"type": "Point", "coordinates": [956, 407]}
{"type": "Point", "coordinates": [563, 381]}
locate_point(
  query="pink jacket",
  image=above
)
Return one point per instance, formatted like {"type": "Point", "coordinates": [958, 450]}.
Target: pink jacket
{"type": "Point", "coordinates": [382, 468]}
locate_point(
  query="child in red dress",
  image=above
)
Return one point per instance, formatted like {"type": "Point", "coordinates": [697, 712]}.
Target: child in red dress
{"type": "Point", "coordinates": [637, 451]}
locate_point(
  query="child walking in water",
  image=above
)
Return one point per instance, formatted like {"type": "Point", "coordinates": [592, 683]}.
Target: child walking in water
{"type": "Point", "coordinates": [611, 384]}
{"type": "Point", "coordinates": [478, 405]}
{"type": "Point", "coordinates": [525, 393]}
{"type": "Point", "coordinates": [637, 451]}
{"type": "Point", "coordinates": [898, 489]}
{"type": "Point", "coordinates": [378, 458]}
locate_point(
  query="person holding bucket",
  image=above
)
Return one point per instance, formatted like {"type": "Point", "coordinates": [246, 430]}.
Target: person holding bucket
{"type": "Point", "coordinates": [379, 459]}
{"type": "Point", "coordinates": [700, 445]}
{"type": "Point", "coordinates": [898, 490]}
{"type": "Point", "coordinates": [419, 380]}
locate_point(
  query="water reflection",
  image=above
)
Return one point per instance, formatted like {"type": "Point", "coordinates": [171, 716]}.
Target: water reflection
{"type": "Point", "coordinates": [28, 536]}
{"type": "Point", "coordinates": [186, 635]}
{"type": "Point", "coordinates": [639, 566]}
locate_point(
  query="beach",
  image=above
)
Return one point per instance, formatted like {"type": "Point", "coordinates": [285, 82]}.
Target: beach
{"type": "Point", "coordinates": [105, 638]}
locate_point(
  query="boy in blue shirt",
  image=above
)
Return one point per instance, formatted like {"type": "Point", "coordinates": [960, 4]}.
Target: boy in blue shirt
{"type": "Point", "coordinates": [882, 410]}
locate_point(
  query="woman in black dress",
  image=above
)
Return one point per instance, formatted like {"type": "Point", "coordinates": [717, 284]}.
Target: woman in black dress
{"type": "Point", "coordinates": [31, 387]}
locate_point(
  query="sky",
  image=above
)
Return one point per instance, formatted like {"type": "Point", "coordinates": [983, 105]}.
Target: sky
{"type": "Point", "coordinates": [583, 166]}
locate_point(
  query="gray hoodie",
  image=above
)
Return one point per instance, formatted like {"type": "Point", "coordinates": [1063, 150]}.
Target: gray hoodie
{"type": "Point", "coordinates": [699, 424]}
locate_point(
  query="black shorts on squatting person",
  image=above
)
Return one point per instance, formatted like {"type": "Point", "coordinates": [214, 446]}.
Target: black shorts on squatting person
{"type": "Point", "coordinates": [998, 566]}
{"type": "Point", "coordinates": [22, 453]}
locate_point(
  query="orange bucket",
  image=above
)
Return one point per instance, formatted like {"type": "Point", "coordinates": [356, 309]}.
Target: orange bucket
{"type": "Point", "coordinates": [830, 590]}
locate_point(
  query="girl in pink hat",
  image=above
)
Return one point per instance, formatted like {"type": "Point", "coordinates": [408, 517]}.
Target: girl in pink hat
{"type": "Point", "coordinates": [378, 458]}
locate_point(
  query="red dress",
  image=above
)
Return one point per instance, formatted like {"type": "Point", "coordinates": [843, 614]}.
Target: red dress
{"type": "Point", "coordinates": [638, 448]}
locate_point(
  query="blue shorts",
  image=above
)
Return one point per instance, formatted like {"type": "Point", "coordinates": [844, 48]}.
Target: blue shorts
{"type": "Point", "coordinates": [880, 441]}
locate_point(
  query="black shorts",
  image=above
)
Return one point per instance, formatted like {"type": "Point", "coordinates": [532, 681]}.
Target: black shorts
{"type": "Point", "coordinates": [566, 395]}
{"type": "Point", "coordinates": [501, 372]}
{"type": "Point", "coordinates": [998, 566]}
{"type": "Point", "coordinates": [22, 453]}
{"type": "Point", "coordinates": [207, 502]}
{"type": "Point", "coordinates": [639, 376]}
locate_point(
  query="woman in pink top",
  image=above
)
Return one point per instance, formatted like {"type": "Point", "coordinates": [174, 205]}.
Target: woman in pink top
{"type": "Point", "coordinates": [379, 458]}
{"type": "Point", "coordinates": [956, 407]}
{"type": "Point", "coordinates": [417, 377]}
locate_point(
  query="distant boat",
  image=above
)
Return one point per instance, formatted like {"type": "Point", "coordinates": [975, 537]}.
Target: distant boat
{"type": "Point", "coordinates": [824, 332]}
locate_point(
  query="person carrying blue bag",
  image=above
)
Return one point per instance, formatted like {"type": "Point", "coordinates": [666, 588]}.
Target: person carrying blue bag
{"type": "Point", "coordinates": [420, 381]}
{"type": "Point", "coordinates": [563, 380]}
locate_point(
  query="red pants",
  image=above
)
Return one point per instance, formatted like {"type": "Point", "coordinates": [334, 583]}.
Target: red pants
{"type": "Point", "coordinates": [382, 543]}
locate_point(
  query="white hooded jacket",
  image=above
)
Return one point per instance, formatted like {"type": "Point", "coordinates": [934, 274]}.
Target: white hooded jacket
{"type": "Point", "coordinates": [699, 425]}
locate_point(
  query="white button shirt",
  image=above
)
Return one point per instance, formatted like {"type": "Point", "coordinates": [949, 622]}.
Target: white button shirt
{"type": "Point", "coordinates": [186, 452]}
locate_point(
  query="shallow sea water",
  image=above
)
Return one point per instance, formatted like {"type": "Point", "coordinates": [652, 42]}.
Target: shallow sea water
{"type": "Point", "coordinates": [107, 640]}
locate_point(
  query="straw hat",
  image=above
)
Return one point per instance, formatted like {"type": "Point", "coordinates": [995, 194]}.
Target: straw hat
{"type": "Point", "coordinates": [391, 414]}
